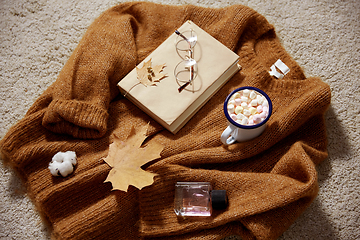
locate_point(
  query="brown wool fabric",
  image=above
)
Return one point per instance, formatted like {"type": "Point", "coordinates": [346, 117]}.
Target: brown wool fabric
{"type": "Point", "coordinates": [270, 180]}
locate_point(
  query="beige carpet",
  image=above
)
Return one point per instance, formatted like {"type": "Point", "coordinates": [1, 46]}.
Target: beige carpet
{"type": "Point", "coordinates": [38, 36]}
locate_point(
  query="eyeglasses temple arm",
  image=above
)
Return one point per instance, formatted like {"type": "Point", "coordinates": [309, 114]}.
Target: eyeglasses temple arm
{"type": "Point", "coordinates": [191, 75]}
{"type": "Point", "coordinates": [179, 33]}
{"type": "Point", "coordinates": [191, 68]}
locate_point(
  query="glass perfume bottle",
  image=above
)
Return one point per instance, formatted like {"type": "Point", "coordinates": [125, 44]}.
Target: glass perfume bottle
{"type": "Point", "coordinates": [198, 199]}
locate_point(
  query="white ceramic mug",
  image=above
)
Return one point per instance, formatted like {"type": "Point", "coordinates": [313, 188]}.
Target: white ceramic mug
{"type": "Point", "coordinates": [238, 132]}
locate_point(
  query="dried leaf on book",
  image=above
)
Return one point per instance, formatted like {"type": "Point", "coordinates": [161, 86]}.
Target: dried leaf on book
{"type": "Point", "coordinates": [126, 159]}
{"type": "Point", "coordinates": [148, 75]}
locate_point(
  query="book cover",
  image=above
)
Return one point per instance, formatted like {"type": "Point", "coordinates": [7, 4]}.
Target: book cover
{"type": "Point", "coordinates": [178, 89]}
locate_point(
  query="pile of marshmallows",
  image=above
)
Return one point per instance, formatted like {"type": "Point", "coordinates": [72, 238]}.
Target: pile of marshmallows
{"type": "Point", "coordinates": [248, 107]}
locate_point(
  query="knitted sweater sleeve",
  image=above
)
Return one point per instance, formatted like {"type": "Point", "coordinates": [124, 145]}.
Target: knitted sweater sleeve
{"type": "Point", "coordinates": [78, 101]}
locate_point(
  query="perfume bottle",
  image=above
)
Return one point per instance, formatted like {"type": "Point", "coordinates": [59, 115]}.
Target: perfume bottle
{"type": "Point", "coordinates": [198, 199]}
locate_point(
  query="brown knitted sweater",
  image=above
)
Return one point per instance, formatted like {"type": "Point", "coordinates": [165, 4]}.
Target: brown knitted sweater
{"type": "Point", "coordinates": [270, 180]}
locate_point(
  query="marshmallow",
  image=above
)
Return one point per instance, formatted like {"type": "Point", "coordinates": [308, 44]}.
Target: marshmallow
{"type": "Point", "coordinates": [237, 95]}
{"type": "Point", "coordinates": [240, 116]}
{"type": "Point", "coordinates": [244, 121]}
{"type": "Point", "coordinates": [237, 101]}
{"type": "Point", "coordinates": [257, 118]}
{"type": "Point", "coordinates": [231, 108]}
{"type": "Point", "coordinates": [254, 103]}
{"type": "Point", "coordinates": [246, 92]}
{"type": "Point", "coordinates": [239, 109]}
{"type": "Point", "coordinates": [244, 99]}
{"type": "Point", "coordinates": [247, 112]}
{"type": "Point", "coordinates": [253, 95]}
{"type": "Point", "coordinates": [265, 103]}
{"type": "Point", "coordinates": [233, 116]}
{"type": "Point", "coordinates": [265, 109]}
{"type": "Point", "coordinates": [260, 99]}
{"type": "Point", "coordinates": [244, 105]}
{"type": "Point", "coordinates": [252, 110]}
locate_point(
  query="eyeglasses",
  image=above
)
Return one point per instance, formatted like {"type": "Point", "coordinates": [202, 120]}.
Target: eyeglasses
{"type": "Point", "coordinates": [185, 71]}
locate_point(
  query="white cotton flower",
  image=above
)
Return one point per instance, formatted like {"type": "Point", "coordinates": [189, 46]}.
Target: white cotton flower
{"type": "Point", "coordinates": [62, 163]}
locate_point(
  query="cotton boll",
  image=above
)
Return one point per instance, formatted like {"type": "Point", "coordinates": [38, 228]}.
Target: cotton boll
{"type": "Point", "coordinates": [54, 168]}
{"type": "Point", "coordinates": [66, 168]}
{"type": "Point", "coordinates": [70, 156]}
{"type": "Point", "coordinates": [58, 157]}
{"type": "Point", "coordinates": [62, 163]}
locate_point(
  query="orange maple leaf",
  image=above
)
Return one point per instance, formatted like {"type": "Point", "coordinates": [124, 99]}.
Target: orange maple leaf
{"type": "Point", "coordinates": [126, 159]}
{"type": "Point", "coordinates": [148, 75]}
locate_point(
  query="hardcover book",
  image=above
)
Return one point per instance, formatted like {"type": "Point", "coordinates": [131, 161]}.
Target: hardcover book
{"type": "Point", "coordinates": [180, 76]}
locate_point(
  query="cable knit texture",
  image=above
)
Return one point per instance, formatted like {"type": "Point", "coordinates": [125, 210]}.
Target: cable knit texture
{"type": "Point", "coordinates": [270, 180]}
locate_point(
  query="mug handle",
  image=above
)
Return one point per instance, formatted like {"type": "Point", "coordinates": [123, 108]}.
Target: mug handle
{"type": "Point", "coordinates": [225, 136]}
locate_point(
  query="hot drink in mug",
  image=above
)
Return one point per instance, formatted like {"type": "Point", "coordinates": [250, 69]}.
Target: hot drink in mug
{"type": "Point", "coordinates": [247, 110]}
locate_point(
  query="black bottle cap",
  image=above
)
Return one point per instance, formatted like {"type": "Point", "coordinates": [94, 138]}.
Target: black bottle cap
{"type": "Point", "coordinates": [218, 199]}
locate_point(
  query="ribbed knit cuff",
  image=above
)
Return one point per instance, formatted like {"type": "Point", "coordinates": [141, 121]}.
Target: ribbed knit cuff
{"type": "Point", "coordinates": [78, 119]}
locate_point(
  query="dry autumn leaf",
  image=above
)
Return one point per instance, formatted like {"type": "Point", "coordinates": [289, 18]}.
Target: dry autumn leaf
{"type": "Point", "coordinates": [148, 75]}
{"type": "Point", "coordinates": [126, 159]}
